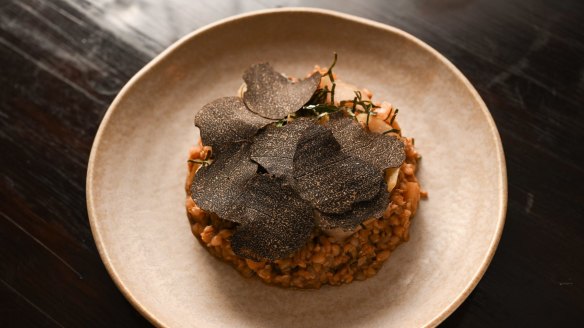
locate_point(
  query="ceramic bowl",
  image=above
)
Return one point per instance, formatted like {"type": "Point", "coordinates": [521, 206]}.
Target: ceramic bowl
{"type": "Point", "coordinates": [137, 170]}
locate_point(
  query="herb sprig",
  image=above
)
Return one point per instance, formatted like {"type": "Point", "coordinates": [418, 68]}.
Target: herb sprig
{"type": "Point", "coordinates": [319, 106]}
{"type": "Point", "coordinates": [392, 130]}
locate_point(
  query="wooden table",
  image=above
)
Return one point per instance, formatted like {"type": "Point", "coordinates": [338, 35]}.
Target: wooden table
{"type": "Point", "coordinates": [63, 61]}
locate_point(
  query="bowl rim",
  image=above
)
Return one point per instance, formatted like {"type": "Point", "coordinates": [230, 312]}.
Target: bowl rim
{"type": "Point", "coordinates": [502, 206]}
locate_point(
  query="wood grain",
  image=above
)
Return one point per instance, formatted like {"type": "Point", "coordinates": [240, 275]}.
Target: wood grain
{"type": "Point", "coordinates": [63, 61]}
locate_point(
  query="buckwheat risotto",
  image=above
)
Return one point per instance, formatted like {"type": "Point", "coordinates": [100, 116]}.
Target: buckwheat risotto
{"type": "Point", "coordinates": [301, 182]}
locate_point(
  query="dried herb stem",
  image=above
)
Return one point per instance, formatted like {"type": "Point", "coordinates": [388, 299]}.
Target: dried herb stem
{"type": "Point", "coordinates": [393, 117]}
{"type": "Point", "coordinates": [319, 106]}
{"type": "Point", "coordinates": [392, 131]}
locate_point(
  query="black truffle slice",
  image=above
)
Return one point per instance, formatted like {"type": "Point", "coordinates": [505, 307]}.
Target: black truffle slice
{"type": "Point", "coordinates": [276, 221]}
{"type": "Point", "coordinates": [328, 178]}
{"type": "Point", "coordinates": [359, 213]}
{"type": "Point", "coordinates": [272, 95]}
{"type": "Point", "coordinates": [218, 186]}
{"type": "Point", "coordinates": [274, 147]}
{"type": "Point", "coordinates": [226, 120]}
{"type": "Point", "coordinates": [383, 151]}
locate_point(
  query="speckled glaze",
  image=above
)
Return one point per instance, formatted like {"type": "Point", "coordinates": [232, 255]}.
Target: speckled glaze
{"type": "Point", "coordinates": [135, 180]}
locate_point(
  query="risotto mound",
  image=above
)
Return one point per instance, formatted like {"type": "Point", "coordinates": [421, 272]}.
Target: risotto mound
{"type": "Point", "coordinates": [324, 259]}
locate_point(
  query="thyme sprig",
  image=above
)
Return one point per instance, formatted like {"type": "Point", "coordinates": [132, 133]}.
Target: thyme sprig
{"type": "Point", "coordinates": [331, 77]}
{"type": "Point", "coordinates": [393, 114]}
{"type": "Point", "coordinates": [393, 117]}
{"type": "Point", "coordinates": [329, 71]}
{"type": "Point", "coordinates": [391, 131]}
{"type": "Point", "coordinates": [368, 106]}
{"type": "Point", "coordinates": [319, 106]}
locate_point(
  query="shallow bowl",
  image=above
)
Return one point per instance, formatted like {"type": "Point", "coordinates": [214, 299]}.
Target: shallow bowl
{"type": "Point", "coordinates": [137, 169]}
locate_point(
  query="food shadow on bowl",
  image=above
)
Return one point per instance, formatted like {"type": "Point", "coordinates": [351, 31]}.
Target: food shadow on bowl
{"type": "Point", "coordinates": [250, 302]}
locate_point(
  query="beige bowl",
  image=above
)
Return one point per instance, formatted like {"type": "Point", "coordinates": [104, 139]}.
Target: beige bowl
{"type": "Point", "coordinates": [135, 180]}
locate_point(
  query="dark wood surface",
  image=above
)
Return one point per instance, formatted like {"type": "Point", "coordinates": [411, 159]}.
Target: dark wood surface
{"type": "Point", "coordinates": [63, 61]}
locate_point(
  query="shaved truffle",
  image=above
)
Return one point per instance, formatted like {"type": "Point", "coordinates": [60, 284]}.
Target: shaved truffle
{"type": "Point", "coordinates": [276, 222]}
{"type": "Point", "coordinates": [218, 186]}
{"type": "Point", "coordinates": [270, 180]}
{"type": "Point", "coordinates": [227, 120]}
{"type": "Point", "coordinates": [271, 95]}
{"type": "Point", "coordinates": [315, 149]}
{"type": "Point", "coordinates": [274, 147]}
{"type": "Point", "coordinates": [328, 178]}
{"type": "Point", "coordinates": [381, 150]}
{"type": "Point", "coordinates": [359, 213]}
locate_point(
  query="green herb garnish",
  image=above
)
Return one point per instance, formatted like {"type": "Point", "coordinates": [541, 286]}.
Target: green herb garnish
{"type": "Point", "coordinates": [368, 106]}
{"type": "Point", "coordinates": [319, 106]}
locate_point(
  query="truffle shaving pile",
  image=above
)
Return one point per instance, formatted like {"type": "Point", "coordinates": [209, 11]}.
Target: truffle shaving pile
{"type": "Point", "coordinates": [285, 165]}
